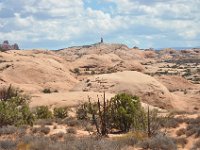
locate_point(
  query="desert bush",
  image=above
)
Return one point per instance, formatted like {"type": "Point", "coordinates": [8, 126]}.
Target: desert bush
{"type": "Point", "coordinates": [8, 130]}
{"type": "Point", "coordinates": [71, 130]}
{"type": "Point", "coordinates": [41, 129]}
{"type": "Point", "coordinates": [47, 90]}
{"type": "Point", "coordinates": [126, 112]}
{"type": "Point", "coordinates": [159, 142]}
{"type": "Point", "coordinates": [89, 128]}
{"type": "Point", "coordinates": [57, 136]}
{"type": "Point", "coordinates": [34, 130]}
{"type": "Point", "coordinates": [8, 145]}
{"type": "Point", "coordinates": [76, 70]}
{"type": "Point", "coordinates": [181, 141]}
{"type": "Point", "coordinates": [14, 109]}
{"type": "Point", "coordinates": [71, 122]}
{"type": "Point", "coordinates": [8, 93]}
{"type": "Point", "coordinates": [61, 112]}
{"type": "Point", "coordinates": [170, 121]}
{"type": "Point", "coordinates": [193, 127]}
{"type": "Point", "coordinates": [196, 145]}
{"type": "Point", "coordinates": [81, 112]}
{"type": "Point", "coordinates": [48, 121]}
{"type": "Point", "coordinates": [43, 112]}
{"type": "Point", "coordinates": [122, 112]}
{"type": "Point", "coordinates": [44, 130]}
{"type": "Point", "coordinates": [129, 139]}
{"type": "Point", "coordinates": [181, 131]}
{"type": "Point", "coordinates": [70, 142]}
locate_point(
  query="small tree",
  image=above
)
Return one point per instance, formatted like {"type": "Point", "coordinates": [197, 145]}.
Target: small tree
{"type": "Point", "coordinates": [14, 109]}
{"type": "Point", "coordinates": [126, 112]}
{"type": "Point", "coordinates": [122, 112]}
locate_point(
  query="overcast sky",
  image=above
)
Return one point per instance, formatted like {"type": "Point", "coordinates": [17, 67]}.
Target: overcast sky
{"type": "Point", "coordinates": [54, 24]}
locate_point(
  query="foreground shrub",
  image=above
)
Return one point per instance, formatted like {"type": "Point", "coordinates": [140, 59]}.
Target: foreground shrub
{"type": "Point", "coordinates": [61, 112]}
{"type": "Point", "coordinates": [193, 127]}
{"type": "Point", "coordinates": [159, 142]}
{"type": "Point", "coordinates": [71, 122]}
{"type": "Point", "coordinates": [44, 129]}
{"type": "Point", "coordinates": [181, 131]}
{"type": "Point", "coordinates": [123, 112]}
{"type": "Point", "coordinates": [8, 130]}
{"type": "Point", "coordinates": [126, 112]}
{"type": "Point", "coordinates": [43, 112]}
{"type": "Point", "coordinates": [14, 109]}
{"type": "Point", "coordinates": [8, 145]}
{"type": "Point", "coordinates": [41, 129]}
{"type": "Point", "coordinates": [73, 143]}
{"type": "Point", "coordinates": [196, 145]}
{"type": "Point", "coordinates": [71, 130]}
{"type": "Point", "coordinates": [181, 141]}
{"type": "Point", "coordinates": [43, 122]}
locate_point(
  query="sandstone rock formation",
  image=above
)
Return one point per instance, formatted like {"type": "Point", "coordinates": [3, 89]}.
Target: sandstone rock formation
{"type": "Point", "coordinates": [6, 46]}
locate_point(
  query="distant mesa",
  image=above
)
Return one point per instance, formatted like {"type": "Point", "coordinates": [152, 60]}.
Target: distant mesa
{"type": "Point", "coordinates": [6, 46]}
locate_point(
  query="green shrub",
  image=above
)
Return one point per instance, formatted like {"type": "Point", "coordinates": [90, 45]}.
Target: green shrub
{"type": "Point", "coordinates": [122, 112]}
{"type": "Point", "coordinates": [14, 109]}
{"type": "Point", "coordinates": [43, 112]}
{"type": "Point", "coordinates": [61, 112]}
{"type": "Point", "coordinates": [47, 90]}
{"type": "Point", "coordinates": [126, 112]}
{"type": "Point", "coordinates": [81, 112]}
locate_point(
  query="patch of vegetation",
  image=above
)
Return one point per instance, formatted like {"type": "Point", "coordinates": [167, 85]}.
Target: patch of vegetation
{"type": "Point", "coordinates": [61, 112]}
{"type": "Point", "coordinates": [196, 145]}
{"type": "Point", "coordinates": [8, 130]}
{"type": "Point", "coordinates": [181, 131]}
{"type": "Point", "coordinates": [71, 130]}
{"type": "Point", "coordinates": [14, 108]}
{"type": "Point", "coordinates": [76, 71]}
{"type": "Point", "coordinates": [159, 142]}
{"type": "Point", "coordinates": [44, 130]}
{"type": "Point", "coordinates": [123, 112]}
{"type": "Point", "coordinates": [193, 127]}
{"type": "Point", "coordinates": [72, 122]}
{"type": "Point", "coordinates": [181, 142]}
{"type": "Point", "coordinates": [43, 112]}
{"type": "Point", "coordinates": [47, 90]}
{"type": "Point", "coordinates": [8, 145]}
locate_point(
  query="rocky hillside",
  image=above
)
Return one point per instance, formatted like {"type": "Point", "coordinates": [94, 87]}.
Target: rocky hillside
{"type": "Point", "coordinates": [90, 70]}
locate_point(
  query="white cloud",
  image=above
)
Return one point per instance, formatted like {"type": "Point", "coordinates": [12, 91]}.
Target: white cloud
{"type": "Point", "coordinates": [56, 8]}
{"type": "Point", "coordinates": [23, 22]}
{"type": "Point", "coordinates": [66, 20]}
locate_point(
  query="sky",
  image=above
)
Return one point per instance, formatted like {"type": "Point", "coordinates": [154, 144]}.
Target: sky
{"type": "Point", "coordinates": [55, 24]}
